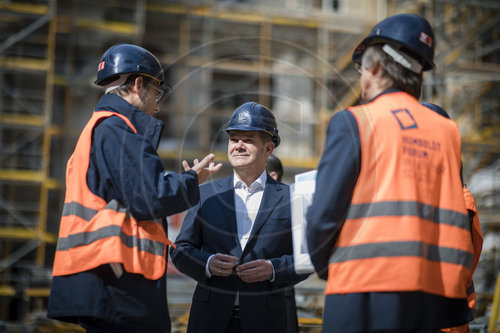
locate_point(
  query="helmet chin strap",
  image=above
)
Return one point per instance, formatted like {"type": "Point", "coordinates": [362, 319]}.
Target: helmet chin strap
{"type": "Point", "coordinates": [116, 83]}
{"type": "Point", "coordinates": [403, 59]}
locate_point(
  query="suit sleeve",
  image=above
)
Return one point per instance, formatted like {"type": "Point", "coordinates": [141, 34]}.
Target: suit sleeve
{"type": "Point", "coordinates": [338, 172]}
{"type": "Point", "coordinates": [285, 273]}
{"type": "Point", "coordinates": [188, 257]}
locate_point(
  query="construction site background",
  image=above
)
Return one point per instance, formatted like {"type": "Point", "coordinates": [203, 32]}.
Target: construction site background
{"type": "Point", "coordinates": [293, 56]}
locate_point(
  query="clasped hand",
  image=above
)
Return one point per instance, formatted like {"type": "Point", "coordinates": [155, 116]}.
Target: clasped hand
{"type": "Point", "coordinates": [252, 271]}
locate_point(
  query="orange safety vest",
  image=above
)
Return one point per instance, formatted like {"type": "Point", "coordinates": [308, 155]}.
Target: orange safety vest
{"type": "Point", "coordinates": [407, 227]}
{"type": "Point", "coordinates": [477, 241]}
{"type": "Point", "coordinates": [94, 232]}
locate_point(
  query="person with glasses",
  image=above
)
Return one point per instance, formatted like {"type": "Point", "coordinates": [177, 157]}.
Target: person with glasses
{"type": "Point", "coordinates": [388, 227]}
{"type": "Point", "coordinates": [110, 261]}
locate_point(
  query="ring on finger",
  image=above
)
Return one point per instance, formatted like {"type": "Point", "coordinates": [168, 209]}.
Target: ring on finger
{"type": "Point", "coordinates": [220, 271]}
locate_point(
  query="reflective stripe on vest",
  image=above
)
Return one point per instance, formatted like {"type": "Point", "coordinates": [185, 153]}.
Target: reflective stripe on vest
{"type": "Point", "coordinates": [413, 208]}
{"type": "Point", "coordinates": [85, 238]}
{"type": "Point", "coordinates": [407, 227]}
{"type": "Point", "coordinates": [402, 249]}
{"type": "Point", "coordinates": [93, 232]}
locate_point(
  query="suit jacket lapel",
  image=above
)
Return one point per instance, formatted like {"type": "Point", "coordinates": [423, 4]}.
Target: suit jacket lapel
{"type": "Point", "coordinates": [273, 194]}
{"type": "Point", "coordinates": [227, 205]}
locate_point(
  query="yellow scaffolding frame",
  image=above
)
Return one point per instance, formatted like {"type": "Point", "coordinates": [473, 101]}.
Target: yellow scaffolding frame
{"type": "Point", "coordinates": [494, 323]}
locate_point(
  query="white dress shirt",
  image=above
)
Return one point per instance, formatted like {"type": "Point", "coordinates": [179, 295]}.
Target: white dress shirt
{"type": "Point", "coordinates": [246, 205]}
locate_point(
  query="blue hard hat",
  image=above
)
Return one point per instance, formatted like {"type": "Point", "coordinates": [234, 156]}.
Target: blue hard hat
{"type": "Point", "coordinates": [252, 116]}
{"type": "Point", "coordinates": [410, 33]}
{"type": "Point", "coordinates": [125, 59]}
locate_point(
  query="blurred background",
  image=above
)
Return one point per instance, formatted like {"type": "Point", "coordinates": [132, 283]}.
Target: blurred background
{"type": "Point", "coordinates": [293, 56]}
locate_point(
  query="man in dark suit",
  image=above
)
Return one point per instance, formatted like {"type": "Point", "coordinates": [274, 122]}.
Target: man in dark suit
{"type": "Point", "coordinates": [237, 241]}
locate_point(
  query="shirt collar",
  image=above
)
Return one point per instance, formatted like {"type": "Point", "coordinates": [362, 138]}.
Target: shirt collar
{"type": "Point", "coordinates": [145, 124]}
{"type": "Point", "coordinates": [259, 183]}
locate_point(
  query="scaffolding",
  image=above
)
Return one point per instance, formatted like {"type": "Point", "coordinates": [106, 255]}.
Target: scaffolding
{"type": "Point", "coordinates": [27, 137]}
{"type": "Point", "coordinates": [293, 56]}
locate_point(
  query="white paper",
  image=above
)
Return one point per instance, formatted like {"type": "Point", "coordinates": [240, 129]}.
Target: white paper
{"type": "Point", "coordinates": [301, 194]}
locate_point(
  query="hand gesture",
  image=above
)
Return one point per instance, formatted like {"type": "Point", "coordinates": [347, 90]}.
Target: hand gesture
{"type": "Point", "coordinates": [204, 168]}
{"type": "Point", "coordinates": [222, 264]}
{"type": "Point", "coordinates": [255, 271]}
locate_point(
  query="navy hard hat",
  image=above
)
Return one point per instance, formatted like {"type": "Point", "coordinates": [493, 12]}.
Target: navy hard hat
{"type": "Point", "coordinates": [436, 108]}
{"type": "Point", "coordinates": [252, 116]}
{"type": "Point", "coordinates": [128, 59]}
{"type": "Point", "coordinates": [410, 33]}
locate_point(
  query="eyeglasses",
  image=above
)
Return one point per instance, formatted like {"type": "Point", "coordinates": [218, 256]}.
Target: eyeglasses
{"type": "Point", "coordinates": [358, 68]}
{"type": "Point", "coordinates": [160, 92]}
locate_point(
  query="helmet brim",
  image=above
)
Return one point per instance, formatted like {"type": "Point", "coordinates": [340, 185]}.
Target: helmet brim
{"type": "Point", "coordinates": [276, 138]}
{"type": "Point", "coordinates": [374, 40]}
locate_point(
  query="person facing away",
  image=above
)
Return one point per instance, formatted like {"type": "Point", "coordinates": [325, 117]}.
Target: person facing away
{"type": "Point", "coordinates": [477, 237]}
{"type": "Point", "coordinates": [388, 227]}
{"type": "Point", "coordinates": [236, 242]}
{"type": "Point", "coordinates": [110, 261]}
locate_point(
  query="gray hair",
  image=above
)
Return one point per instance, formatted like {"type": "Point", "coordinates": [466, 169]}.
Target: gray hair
{"type": "Point", "coordinates": [124, 89]}
{"type": "Point", "coordinates": [399, 76]}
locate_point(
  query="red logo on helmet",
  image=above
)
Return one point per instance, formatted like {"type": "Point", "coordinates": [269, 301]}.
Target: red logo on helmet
{"type": "Point", "coordinates": [101, 65]}
{"type": "Point", "coordinates": [424, 38]}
